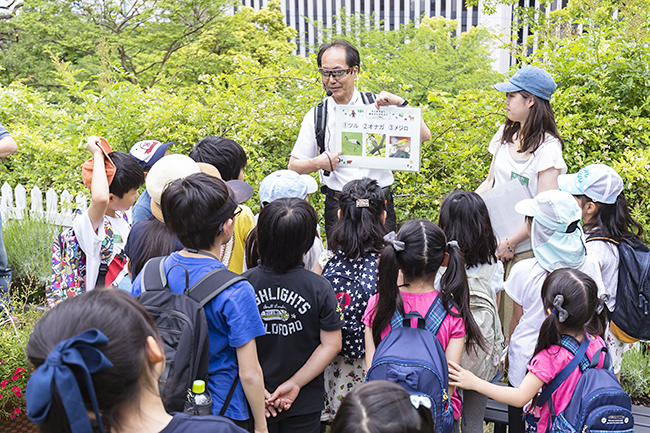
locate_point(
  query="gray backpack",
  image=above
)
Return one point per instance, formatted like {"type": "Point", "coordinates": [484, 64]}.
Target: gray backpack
{"type": "Point", "coordinates": [484, 309]}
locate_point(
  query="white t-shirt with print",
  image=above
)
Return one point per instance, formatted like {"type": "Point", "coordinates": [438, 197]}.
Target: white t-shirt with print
{"type": "Point", "coordinates": [524, 286]}
{"type": "Point", "coordinates": [548, 155]}
{"type": "Point", "coordinates": [90, 242]}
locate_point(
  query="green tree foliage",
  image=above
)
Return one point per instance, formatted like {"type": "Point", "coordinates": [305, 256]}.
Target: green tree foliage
{"type": "Point", "coordinates": [142, 35]}
{"type": "Point", "coordinates": [259, 35]}
{"type": "Point", "coordinates": [414, 61]}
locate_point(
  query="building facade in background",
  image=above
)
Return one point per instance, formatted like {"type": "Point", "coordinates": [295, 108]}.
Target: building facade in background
{"type": "Point", "coordinates": [391, 14]}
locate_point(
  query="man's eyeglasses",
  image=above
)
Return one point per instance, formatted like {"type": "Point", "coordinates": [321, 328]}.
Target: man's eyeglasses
{"type": "Point", "coordinates": [335, 73]}
{"type": "Point", "coordinates": [237, 212]}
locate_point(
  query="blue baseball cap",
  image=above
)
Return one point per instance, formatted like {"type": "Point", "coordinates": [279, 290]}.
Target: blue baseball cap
{"type": "Point", "coordinates": [286, 184]}
{"type": "Point", "coordinates": [599, 182]}
{"type": "Point", "coordinates": [531, 79]}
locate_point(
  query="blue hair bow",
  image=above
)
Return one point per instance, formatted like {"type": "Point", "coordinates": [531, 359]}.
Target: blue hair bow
{"type": "Point", "coordinates": [80, 352]}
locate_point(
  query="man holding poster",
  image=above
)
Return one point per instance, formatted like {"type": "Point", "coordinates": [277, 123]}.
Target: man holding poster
{"type": "Point", "coordinates": [316, 149]}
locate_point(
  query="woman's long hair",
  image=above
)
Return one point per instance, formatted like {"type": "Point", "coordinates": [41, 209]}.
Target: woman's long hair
{"type": "Point", "coordinates": [540, 121]}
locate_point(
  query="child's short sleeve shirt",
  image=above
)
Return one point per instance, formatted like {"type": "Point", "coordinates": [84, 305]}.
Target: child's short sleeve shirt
{"type": "Point", "coordinates": [452, 326]}
{"type": "Point", "coordinates": [233, 320]}
{"type": "Point", "coordinates": [549, 363]}
{"type": "Point", "coordinates": [91, 242]}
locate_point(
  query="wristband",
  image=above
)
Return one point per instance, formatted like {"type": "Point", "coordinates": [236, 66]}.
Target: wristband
{"type": "Point", "coordinates": [330, 159]}
{"type": "Point", "coordinates": [404, 104]}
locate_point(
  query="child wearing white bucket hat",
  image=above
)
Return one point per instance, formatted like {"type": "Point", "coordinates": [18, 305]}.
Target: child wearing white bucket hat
{"type": "Point", "coordinates": [598, 189]}
{"type": "Point", "coordinates": [553, 221]}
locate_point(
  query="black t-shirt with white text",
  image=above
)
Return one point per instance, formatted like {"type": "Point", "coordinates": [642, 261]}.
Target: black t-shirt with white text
{"type": "Point", "coordinates": [294, 307]}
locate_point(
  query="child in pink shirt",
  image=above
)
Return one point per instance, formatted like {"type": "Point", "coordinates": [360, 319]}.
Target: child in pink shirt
{"type": "Point", "coordinates": [574, 312]}
{"type": "Point", "coordinates": [412, 258]}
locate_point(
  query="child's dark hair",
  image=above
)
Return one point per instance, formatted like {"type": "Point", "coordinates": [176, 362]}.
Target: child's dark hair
{"type": "Point", "coordinates": [381, 407]}
{"type": "Point", "coordinates": [576, 293]}
{"type": "Point", "coordinates": [126, 324]}
{"type": "Point", "coordinates": [155, 240]}
{"type": "Point", "coordinates": [465, 218]}
{"type": "Point", "coordinates": [360, 227]}
{"type": "Point", "coordinates": [285, 232]}
{"type": "Point", "coordinates": [223, 153]}
{"type": "Point", "coordinates": [196, 207]}
{"type": "Point", "coordinates": [613, 220]}
{"type": "Point", "coordinates": [128, 174]}
{"type": "Point", "coordinates": [425, 245]}
{"type": "Point", "coordinates": [540, 121]}
{"type": "Point", "coordinates": [252, 253]}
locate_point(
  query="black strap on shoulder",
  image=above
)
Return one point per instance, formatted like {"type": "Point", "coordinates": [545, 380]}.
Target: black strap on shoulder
{"type": "Point", "coordinates": [213, 283]}
{"type": "Point", "coordinates": [367, 98]}
{"type": "Point", "coordinates": [233, 387]}
{"type": "Point", "coordinates": [153, 275]}
{"type": "Point", "coordinates": [600, 237]}
{"type": "Point", "coordinates": [320, 122]}
{"type": "Point", "coordinates": [564, 374]}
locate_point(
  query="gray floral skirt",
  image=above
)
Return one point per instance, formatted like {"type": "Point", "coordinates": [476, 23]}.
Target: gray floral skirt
{"type": "Point", "coordinates": [341, 376]}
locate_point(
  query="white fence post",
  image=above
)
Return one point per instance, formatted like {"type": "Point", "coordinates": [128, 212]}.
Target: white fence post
{"type": "Point", "coordinates": [55, 212]}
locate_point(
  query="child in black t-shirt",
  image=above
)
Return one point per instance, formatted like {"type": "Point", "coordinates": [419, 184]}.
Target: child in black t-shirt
{"type": "Point", "coordinates": [300, 313]}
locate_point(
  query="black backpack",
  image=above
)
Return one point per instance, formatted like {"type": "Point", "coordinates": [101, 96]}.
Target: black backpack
{"type": "Point", "coordinates": [183, 327]}
{"type": "Point", "coordinates": [631, 314]}
{"type": "Point", "coordinates": [320, 120]}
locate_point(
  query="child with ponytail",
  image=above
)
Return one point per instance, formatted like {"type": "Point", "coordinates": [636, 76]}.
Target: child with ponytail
{"type": "Point", "coordinates": [406, 275]}
{"type": "Point", "coordinates": [573, 312]}
{"type": "Point", "coordinates": [357, 238]}
{"type": "Point", "coordinates": [598, 189]}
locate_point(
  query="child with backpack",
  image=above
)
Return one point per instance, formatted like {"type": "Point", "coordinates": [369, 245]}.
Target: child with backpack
{"type": "Point", "coordinates": [406, 274]}
{"type": "Point", "coordinates": [356, 241]}
{"type": "Point", "coordinates": [608, 223]}
{"type": "Point", "coordinates": [465, 218]}
{"type": "Point", "coordinates": [91, 253]}
{"type": "Point", "coordinates": [553, 219]}
{"type": "Point", "coordinates": [200, 210]}
{"type": "Point", "coordinates": [300, 313]}
{"type": "Point", "coordinates": [383, 407]}
{"type": "Point", "coordinates": [96, 373]}
{"type": "Point", "coordinates": [579, 392]}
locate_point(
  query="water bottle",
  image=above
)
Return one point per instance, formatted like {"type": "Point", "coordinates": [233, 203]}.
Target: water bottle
{"type": "Point", "coordinates": [198, 401]}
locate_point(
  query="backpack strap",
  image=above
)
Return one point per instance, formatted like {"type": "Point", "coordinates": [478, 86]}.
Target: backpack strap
{"type": "Point", "coordinates": [600, 237]}
{"type": "Point", "coordinates": [435, 316]}
{"type": "Point", "coordinates": [213, 283]}
{"type": "Point", "coordinates": [153, 275]}
{"type": "Point", "coordinates": [564, 374]}
{"type": "Point", "coordinates": [367, 98]}
{"type": "Point", "coordinates": [320, 122]}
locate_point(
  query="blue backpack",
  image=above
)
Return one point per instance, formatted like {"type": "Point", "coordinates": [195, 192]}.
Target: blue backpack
{"type": "Point", "coordinates": [414, 359]}
{"type": "Point", "coordinates": [598, 403]}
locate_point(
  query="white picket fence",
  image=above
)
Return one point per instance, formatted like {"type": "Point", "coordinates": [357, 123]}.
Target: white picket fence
{"type": "Point", "coordinates": [58, 209]}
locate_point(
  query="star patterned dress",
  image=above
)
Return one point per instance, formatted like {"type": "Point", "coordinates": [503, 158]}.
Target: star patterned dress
{"type": "Point", "coordinates": [354, 282]}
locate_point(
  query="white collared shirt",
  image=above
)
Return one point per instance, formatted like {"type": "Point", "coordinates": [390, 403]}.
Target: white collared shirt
{"type": "Point", "coordinates": [306, 147]}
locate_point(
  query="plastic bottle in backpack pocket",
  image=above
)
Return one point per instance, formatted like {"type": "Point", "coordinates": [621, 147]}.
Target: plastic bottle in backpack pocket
{"type": "Point", "coordinates": [199, 402]}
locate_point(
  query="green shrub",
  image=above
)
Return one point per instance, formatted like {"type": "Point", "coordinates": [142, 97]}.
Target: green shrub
{"type": "Point", "coordinates": [29, 249]}
{"type": "Point", "coordinates": [635, 372]}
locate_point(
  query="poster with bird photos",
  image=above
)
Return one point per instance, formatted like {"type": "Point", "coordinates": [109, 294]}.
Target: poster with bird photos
{"type": "Point", "coordinates": [384, 137]}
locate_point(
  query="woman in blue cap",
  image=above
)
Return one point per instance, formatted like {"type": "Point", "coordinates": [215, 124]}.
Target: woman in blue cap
{"type": "Point", "coordinates": [528, 146]}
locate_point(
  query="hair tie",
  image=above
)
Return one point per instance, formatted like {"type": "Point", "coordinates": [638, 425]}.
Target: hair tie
{"type": "Point", "coordinates": [417, 400]}
{"type": "Point", "coordinates": [362, 202]}
{"type": "Point", "coordinates": [391, 238]}
{"type": "Point", "coordinates": [81, 352]}
{"type": "Point", "coordinates": [560, 312]}
{"type": "Point", "coordinates": [452, 244]}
